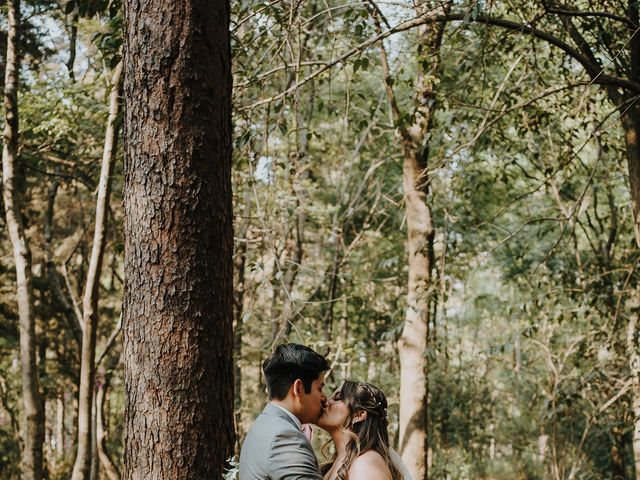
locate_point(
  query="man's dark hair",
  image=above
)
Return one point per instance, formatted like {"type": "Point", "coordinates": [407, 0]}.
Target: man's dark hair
{"type": "Point", "coordinates": [288, 363]}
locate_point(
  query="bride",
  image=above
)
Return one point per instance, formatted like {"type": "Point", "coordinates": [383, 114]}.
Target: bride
{"type": "Point", "coordinates": [356, 418]}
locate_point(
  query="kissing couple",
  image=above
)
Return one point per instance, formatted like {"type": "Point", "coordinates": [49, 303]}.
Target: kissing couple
{"type": "Point", "coordinates": [277, 446]}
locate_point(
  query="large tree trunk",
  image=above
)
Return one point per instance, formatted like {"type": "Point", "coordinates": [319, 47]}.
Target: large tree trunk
{"type": "Point", "coordinates": [82, 466]}
{"type": "Point", "coordinates": [33, 408]}
{"type": "Point", "coordinates": [177, 321]}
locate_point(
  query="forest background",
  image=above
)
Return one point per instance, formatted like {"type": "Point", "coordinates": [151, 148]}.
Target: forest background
{"type": "Point", "coordinates": [443, 197]}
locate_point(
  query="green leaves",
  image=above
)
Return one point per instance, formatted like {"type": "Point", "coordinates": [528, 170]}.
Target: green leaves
{"type": "Point", "coordinates": [361, 63]}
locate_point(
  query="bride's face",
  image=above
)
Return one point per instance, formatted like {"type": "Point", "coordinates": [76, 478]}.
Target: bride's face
{"type": "Point", "coordinates": [335, 413]}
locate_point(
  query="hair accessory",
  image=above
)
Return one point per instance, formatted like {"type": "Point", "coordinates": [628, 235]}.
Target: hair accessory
{"type": "Point", "coordinates": [381, 409]}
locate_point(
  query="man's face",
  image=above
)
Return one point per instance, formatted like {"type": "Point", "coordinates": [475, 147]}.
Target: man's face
{"type": "Point", "coordinates": [313, 402]}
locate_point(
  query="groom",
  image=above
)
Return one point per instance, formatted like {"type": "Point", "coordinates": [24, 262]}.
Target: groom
{"type": "Point", "coordinates": [275, 447]}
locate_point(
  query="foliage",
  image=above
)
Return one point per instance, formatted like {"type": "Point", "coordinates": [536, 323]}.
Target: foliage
{"type": "Point", "coordinates": [536, 262]}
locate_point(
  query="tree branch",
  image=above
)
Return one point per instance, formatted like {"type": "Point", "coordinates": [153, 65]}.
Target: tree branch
{"type": "Point", "coordinates": [110, 341]}
{"type": "Point", "coordinates": [74, 300]}
{"type": "Point", "coordinates": [576, 13]}
{"type": "Point", "coordinates": [594, 70]}
{"type": "Point", "coordinates": [427, 17]}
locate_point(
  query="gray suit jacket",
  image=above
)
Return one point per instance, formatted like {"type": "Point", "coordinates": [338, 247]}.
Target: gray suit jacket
{"type": "Point", "coordinates": [276, 449]}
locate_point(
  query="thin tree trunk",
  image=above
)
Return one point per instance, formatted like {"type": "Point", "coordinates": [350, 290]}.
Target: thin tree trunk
{"type": "Point", "coordinates": [48, 220]}
{"type": "Point", "coordinates": [631, 126]}
{"type": "Point", "coordinates": [103, 379]}
{"type": "Point", "coordinates": [31, 467]}
{"type": "Point", "coordinates": [95, 458]}
{"type": "Point", "coordinates": [334, 288]}
{"type": "Point", "coordinates": [54, 279]}
{"type": "Point", "coordinates": [73, 37]}
{"type": "Point", "coordinates": [178, 299]}
{"type": "Point", "coordinates": [282, 328]}
{"type": "Point", "coordinates": [251, 382]}
{"type": "Point", "coordinates": [60, 430]}
{"type": "Point", "coordinates": [617, 453]}
{"type": "Point", "coordinates": [40, 361]}
{"type": "Point", "coordinates": [11, 411]}
{"type": "Point", "coordinates": [295, 242]}
{"type": "Point", "coordinates": [82, 466]}
{"type": "Point", "coordinates": [110, 468]}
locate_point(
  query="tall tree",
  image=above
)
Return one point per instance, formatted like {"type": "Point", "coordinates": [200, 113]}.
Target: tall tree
{"type": "Point", "coordinates": [414, 133]}
{"type": "Point", "coordinates": [177, 312]}
{"type": "Point", "coordinates": [32, 399]}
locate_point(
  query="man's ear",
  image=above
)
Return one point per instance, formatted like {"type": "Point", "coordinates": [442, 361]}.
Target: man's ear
{"type": "Point", "coordinates": [297, 388]}
{"type": "Point", "coordinates": [359, 417]}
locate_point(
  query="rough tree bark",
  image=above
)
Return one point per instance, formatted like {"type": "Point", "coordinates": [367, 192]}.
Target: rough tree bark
{"type": "Point", "coordinates": [177, 320]}
{"type": "Point", "coordinates": [31, 467]}
{"type": "Point", "coordinates": [82, 465]}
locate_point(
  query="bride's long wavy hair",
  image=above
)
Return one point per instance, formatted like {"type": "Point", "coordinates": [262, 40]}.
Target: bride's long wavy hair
{"type": "Point", "coordinates": [368, 434]}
